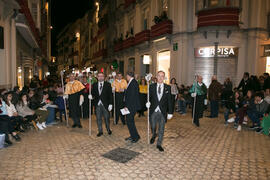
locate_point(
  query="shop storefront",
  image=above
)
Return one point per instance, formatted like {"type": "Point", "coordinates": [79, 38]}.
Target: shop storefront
{"type": "Point", "coordinates": [163, 63]}
{"type": "Point", "coordinates": [226, 63]}
{"type": "Point", "coordinates": [267, 55]}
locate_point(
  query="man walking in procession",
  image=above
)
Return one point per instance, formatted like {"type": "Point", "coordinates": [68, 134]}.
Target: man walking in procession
{"type": "Point", "coordinates": [161, 107]}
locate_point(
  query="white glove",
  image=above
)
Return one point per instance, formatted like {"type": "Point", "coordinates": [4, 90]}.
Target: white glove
{"type": "Point", "coordinates": [90, 96]}
{"type": "Point", "coordinates": [169, 116]}
{"type": "Point", "coordinates": [148, 104]}
{"type": "Point", "coordinates": [110, 107]}
{"type": "Point", "coordinates": [65, 96]}
{"type": "Point", "coordinates": [81, 99]}
{"type": "Point", "coordinates": [113, 89]}
{"type": "Point", "coordinates": [193, 94]}
{"type": "Point", "coordinates": [205, 102]}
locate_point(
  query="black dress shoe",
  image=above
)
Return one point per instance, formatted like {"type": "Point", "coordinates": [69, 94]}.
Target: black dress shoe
{"type": "Point", "coordinates": [160, 148]}
{"type": "Point", "coordinates": [8, 142]}
{"type": "Point", "coordinates": [16, 137]}
{"type": "Point", "coordinates": [74, 125]}
{"type": "Point", "coordinates": [79, 126]}
{"type": "Point", "coordinates": [128, 139]}
{"type": "Point", "coordinates": [152, 140]}
{"type": "Point", "coordinates": [135, 140]}
{"type": "Point", "coordinates": [109, 132]}
{"type": "Point", "coordinates": [99, 134]}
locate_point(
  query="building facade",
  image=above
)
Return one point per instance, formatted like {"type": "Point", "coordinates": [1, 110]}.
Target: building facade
{"type": "Point", "coordinates": [24, 39]}
{"type": "Point", "coordinates": [184, 38]}
{"type": "Point", "coordinates": [189, 37]}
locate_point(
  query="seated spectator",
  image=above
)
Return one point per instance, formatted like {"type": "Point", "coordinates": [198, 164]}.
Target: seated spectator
{"type": "Point", "coordinates": [16, 120]}
{"type": "Point", "coordinates": [267, 96]}
{"type": "Point", "coordinates": [183, 100]}
{"type": "Point", "coordinates": [260, 108]}
{"type": "Point", "coordinates": [232, 105]}
{"type": "Point", "coordinates": [47, 104]}
{"type": "Point", "coordinates": [248, 105]}
{"type": "Point", "coordinates": [15, 95]}
{"type": "Point", "coordinates": [36, 105]}
{"type": "Point", "coordinates": [28, 113]}
{"type": "Point", "coordinates": [7, 127]}
{"type": "Point", "coordinates": [61, 105]}
{"type": "Point", "coordinates": [265, 126]}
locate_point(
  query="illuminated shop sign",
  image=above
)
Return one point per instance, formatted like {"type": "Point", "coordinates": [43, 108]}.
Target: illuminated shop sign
{"type": "Point", "coordinates": [223, 51]}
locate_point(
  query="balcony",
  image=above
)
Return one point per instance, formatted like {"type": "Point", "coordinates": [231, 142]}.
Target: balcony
{"type": "Point", "coordinates": [129, 2]}
{"type": "Point", "coordinates": [100, 53]}
{"type": "Point", "coordinates": [128, 42]}
{"type": "Point", "coordinates": [118, 46]}
{"type": "Point", "coordinates": [221, 16]}
{"type": "Point", "coordinates": [162, 28]}
{"type": "Point", "coordinates": [142, 37]}
{"type": "Point", "coordinates": [29, 21]}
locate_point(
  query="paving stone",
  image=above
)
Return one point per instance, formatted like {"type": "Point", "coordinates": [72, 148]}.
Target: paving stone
{"type": "Point", "coordinates": [212, 151]}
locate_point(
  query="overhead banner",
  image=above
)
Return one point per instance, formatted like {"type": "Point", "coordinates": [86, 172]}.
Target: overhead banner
{"type": "Point", "coordinates": [222, 51]}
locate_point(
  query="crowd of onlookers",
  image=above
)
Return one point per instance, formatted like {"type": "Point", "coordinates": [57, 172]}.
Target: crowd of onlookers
{"type": "Point", "coordinates": [33, 107]}
{"type": "Point", "coordinates": [41, 104]}
{"type": "Point", "coordinates": [248, 102]}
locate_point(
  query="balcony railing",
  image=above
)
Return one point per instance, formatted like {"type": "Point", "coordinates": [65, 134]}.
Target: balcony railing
{"type": "Point", "coordinates": [118, 46]}
{"type": "Point", "coordinates": [142, 37]}
{"type": "Point", "coordinates": [128, 42]}
{"type": "Point", "coordinates": [226, 16]}
{"type": "Point", "coordinates": [162, 28]}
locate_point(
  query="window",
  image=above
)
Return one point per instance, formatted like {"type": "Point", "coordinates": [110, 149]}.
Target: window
{"type": "Point", "coordinates": [145, 19]}
{"type": "Point", "coordinates": [35, 12]}
{"type": "Point", "coordinates": [205, 4]}
{"type": "Point", "coordinates": [164, 6]}
{"type": "Point", "coordinates": [131, 23]}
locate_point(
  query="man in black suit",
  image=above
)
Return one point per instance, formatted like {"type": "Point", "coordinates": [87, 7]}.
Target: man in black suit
{"type": "Point", "coordinates": [132, 103]}
{"type": "Point", "coordinates": [102, 100]}
{"type": "Point", "coordinates": [160, 107]}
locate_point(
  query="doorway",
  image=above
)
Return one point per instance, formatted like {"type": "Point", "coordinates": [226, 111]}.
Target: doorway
{"type": "Point", "coordinates": [163, 63]}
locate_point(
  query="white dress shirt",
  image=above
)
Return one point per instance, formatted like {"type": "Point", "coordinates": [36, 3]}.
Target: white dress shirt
{"type": "Point", "coordinates": [100, 91]}
{"type": "Point", "coordinates": [159, 95]}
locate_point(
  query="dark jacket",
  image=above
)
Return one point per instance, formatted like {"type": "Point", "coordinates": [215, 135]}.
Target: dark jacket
{"type": "Point", "coordinates": [60, 102]}
{"type": "Point", "coordinates": [262, 108]}
{"type": "Point", "coordinates": [245, 85]}
{"type": "Point", "coordinates": [165, 103]}
{"type": "Point", "coordinates": [105, 96]}
{"type": "Point", "coordinates": [214, 91]}
{"type": "Point", "coordinates": [132, 97]}
{"type": "Point", "coordinates": [231, 104]}
{"type": "Point", "coordinates": [266, 84]}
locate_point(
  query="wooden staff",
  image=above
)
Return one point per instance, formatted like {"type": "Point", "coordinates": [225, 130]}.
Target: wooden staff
{"type": "Point", "coordinates": [63, 87]}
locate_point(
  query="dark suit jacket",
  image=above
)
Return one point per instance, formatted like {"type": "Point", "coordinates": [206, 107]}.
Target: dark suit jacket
{"type": "Point", "coordinates": [105, 96]}
{"type": "Point", "coordinates": [132, 97]}
{"type": "Point", "coordinates": [165, 103]}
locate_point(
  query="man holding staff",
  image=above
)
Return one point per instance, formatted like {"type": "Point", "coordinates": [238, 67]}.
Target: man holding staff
{"type": "Point", "coordinates": [198, 92]}
{"type": "Point", "coordinates": [160, 107]}
{"type": "Point", "coordinates": [73, 92]}
{"type": "Point", "coordinates": [119, 86]}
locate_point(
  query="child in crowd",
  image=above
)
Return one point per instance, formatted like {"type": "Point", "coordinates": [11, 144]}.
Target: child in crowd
{"type": "Point", "coordinates": [61, 105]}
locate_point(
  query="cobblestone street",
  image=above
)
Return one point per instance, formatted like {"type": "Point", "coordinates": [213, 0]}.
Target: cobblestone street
{"type": "Point", "coordinates": [212, 151]}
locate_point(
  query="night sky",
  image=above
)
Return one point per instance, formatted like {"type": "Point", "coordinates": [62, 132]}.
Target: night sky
{"type": "Point", "coordinates": [64, 12]}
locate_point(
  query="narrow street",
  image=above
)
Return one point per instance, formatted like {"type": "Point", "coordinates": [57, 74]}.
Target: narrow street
{"type": "Point", "coordinates": [212, 151]}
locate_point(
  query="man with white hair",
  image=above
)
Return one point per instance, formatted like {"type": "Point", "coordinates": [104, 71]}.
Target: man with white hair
{"type": "Point", "coordinates": [198, 92]}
